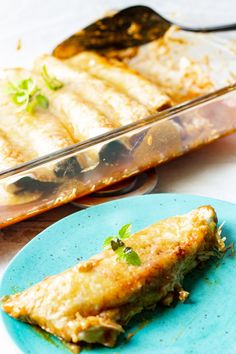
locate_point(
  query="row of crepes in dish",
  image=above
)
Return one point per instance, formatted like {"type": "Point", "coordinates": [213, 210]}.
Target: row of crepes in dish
{"type": "Point", "coordinates": [86, 106]}
{"type": "Point", "coordinates": [97, 95]}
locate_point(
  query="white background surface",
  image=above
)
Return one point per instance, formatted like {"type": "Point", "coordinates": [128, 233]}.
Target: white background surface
{"type": "Point", "coordinates": [42, 24]}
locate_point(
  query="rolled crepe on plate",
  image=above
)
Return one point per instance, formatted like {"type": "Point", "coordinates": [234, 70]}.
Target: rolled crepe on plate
{"type": "Point", "coordinates": [93, 300]}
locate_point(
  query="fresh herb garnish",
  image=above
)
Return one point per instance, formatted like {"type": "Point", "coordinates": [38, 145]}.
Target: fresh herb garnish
{"type": "Point", "coordinates": [52, 82]}
{"type": "Point", "coordinates": [107, 242]}
{"type": "Point", "coordinates": [129, 255]}
{"type": "Point", "coordinates": [118, 246]}
{"type": "Point", "coordinates": [26, 95]}
{"type": "Point", "coordinates": [125, 231]}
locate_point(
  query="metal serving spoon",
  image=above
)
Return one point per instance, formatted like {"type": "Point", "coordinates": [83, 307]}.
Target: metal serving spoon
{"type": "Point", "coordinates": [129, 27]}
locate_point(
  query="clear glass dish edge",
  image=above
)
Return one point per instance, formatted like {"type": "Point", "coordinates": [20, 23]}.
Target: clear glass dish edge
{"type": "Point", "coordinates": [116, 133]}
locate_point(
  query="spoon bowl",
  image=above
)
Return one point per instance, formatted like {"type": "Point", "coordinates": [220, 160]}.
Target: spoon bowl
{"type": "Point", "coordinates": [130, 27]}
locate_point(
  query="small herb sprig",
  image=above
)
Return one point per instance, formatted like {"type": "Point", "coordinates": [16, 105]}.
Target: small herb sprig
{"type": "Point", "coordinates": [52, 82]}
{"type": "Point", "coordinates": [117, 244]}
{"type": "Point", "coordinates": [26, 95]}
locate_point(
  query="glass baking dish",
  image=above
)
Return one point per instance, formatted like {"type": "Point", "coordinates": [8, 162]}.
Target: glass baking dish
{"type": "Point", "coordinates": [85, 167]}
{"type": "Point", "coordinates": [116, 155]}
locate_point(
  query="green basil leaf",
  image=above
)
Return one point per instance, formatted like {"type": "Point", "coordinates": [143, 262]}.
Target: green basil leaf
{"type": "Point", "coordinates": [107, 242]}
{"type": "Point", "coordinates": [30, 107]}
{"type": "Point", "coordinates": [125, 231]}
{"type": "Point", "coordinates": [20, 98]}
{"type": "Point", "coordinates": [131, 257]}
{"type": "Point", "coordinates": [120, 253]}
{"type": "Point", "coordinates": [27, 85]}
{"type": "Point", "coordinates": [123, 253]}
{"type": "Point", "coordinates": [52, 82]}
{"type": "Point", "coordinates": [42, 101]}
{"type": "Point", "coordinates": [55, 84]}
{"type": "Point", "coordinates": [26, 94]}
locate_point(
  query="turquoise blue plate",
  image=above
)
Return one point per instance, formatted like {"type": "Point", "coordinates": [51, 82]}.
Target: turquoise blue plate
{"type": "Point", "coordinates": [205, 323]}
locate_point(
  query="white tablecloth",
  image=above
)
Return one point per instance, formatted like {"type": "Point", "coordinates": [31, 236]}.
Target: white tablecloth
{"type": "Point", "coordinates": [40, 25]}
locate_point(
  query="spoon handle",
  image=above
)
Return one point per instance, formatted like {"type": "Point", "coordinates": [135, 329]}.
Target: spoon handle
{"type": "Point", "coordinates": [221, 28]}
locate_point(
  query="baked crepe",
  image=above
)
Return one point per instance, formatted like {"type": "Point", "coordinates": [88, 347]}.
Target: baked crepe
{"type": "Point", "coordinates": [93, 300]}
{"type": "Point", "coordinates": [115, 105]}
{"type": "Point", "coordinates": [122, 77]}
{"type": "Point", "coordinates": [10, 157]}
{"type": "Point", "coordinates": [33, 135]}
{"type": "Point", "coordinates": [79, 117]}
{"type": "Point", "coordinates": [41, 132]}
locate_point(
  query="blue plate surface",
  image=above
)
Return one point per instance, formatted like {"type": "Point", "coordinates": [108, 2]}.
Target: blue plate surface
{"type": "Point", "coordinates": [205, 323]}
